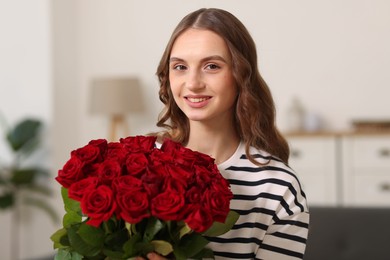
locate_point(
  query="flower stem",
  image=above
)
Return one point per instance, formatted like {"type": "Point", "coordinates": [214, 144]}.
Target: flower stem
{"type": "Point", "coordinates": [106, 227]}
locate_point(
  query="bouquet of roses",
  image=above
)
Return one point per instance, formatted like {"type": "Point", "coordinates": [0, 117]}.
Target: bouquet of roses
{"type": "Point", "coordinates": [128, 198]}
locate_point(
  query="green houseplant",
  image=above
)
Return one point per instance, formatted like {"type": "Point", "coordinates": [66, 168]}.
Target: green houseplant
{"type": "Point", "coordinates": [22, 180]}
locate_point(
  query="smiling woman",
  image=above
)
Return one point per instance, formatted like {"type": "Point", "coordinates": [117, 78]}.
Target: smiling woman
{"type": "Point", "coordinates": [217, 103]}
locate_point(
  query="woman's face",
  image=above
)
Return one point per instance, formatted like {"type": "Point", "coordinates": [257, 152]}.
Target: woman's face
{"type": "Point", "coordinates": [201, 78]}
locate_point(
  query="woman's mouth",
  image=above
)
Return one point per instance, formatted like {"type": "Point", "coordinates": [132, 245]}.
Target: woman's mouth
{"type": "Point", "coordinates": [197, 100]}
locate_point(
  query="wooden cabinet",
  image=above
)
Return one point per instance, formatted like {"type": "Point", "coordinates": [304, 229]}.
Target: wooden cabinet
{"type": "Point", "coordinates": [366, 170]}
{"type": "Point", "coordinates": [343, 169]}
{"type": "Point", "coordinates": [314, 159]}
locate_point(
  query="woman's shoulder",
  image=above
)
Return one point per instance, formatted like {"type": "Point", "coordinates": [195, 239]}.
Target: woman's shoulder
{"type": "Point", "coordinates": [263, 159]}
{"type": "Point", "coordinates": [267, 167]}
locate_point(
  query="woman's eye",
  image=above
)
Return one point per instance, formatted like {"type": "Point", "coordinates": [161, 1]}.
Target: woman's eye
{"type": "Point", "coordinates": [179, 67]}
{"type": "Point", "coordinates": [212, 66]}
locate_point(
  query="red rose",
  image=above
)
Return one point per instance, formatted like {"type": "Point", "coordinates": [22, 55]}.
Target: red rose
{"type": "Point", "coordinates": [136, 163]}
{"type": "Point", "coordinates": [214, 173]}
{"type": "Point", "coordinates": [153, 179]}
{"type": "Point", "coordinates": [133, 204]}
{"type": "Point", "coordinates": [77, 190]}
{"type": "Point", "coordinates": [132, 199]}
{"type": "Point", "coordinates": [174, 185]}
{"type": "Point", "coordinates": [139, 143]}
{"type": "Point", "coordinates": [109, 170]}
{"type": "Point", "coordinates": [181, 155]}
{"type": "Point", "coordinates": [101, 144]}
{"type": "Point", "coordinates": [168, 205]}
{"type": "Point", "coordinates": [193, 195]}
{"type": "Point", "coordinates": [202, 177]}
{"type": "Point", "coordinates": [204, 159]}
{"type": "Point", "coordinates": [71, 172]}
{"type": "Point", "coordinates": [218, 204]}
{"type": "Point", "coordinates": [126, 182]}
{"type": "Point", "coordinates": [91, 170]}
{"type": "Point", "coordinates": [87, 154]}
{"type": "Point", "coordinates": [98, 204]}
{"type": "Point", "coordinates": [185, 156]}
{"type": "Point", "coordinates": [117, 151]}
{"type": "Point", "coordinates": [199, 219]}
{"type": "Point", "coordinates": [184, 177]}
{"type": "Point", "coordinates": [159, 157]}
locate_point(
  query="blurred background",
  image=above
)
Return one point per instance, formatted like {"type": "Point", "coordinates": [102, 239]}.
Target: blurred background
{"type": "Point", "coordinates": [330, 56]}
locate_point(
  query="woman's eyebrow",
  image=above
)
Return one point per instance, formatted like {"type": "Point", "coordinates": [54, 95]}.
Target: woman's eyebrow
{"type": "Point", "coordinates": [208, 58]}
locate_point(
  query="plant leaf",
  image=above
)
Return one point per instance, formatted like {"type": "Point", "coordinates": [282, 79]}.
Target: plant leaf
{"type": "Point", "coordinates": [79, 245]}
{"type": "Point", "coordinates": [71, 218]}
{"type": "Point", "coordinates": [43, 205]}
{"type": "Point", "coordinates": [69, 204]}
{"type": "Point", "coordinates": [162, 247]}
{"type": "Point", "coordinates": [116, 240]}
{"type": "Point", "coordinates": [130, 246]}
{"type": "Point", "coordinates": [185, 230]}
{"type": "Point", "coordinates": [153, 226]}
{"type": "Point", "coordinates": [24, 132]}
{"type": "Point", "coordinates": [63, 254]}
{"type": "Point", "coordinates": [92, 235]}
{"type": "Point", "coordinates": [23, 176]}
{"type": "Point", "coordinates": [7, 200]}
{"type": "Point", "coordinates": [219, 228]}
{"type": "Point", "coordinates": [113, 255]}
{"type": "Point", "coordinates": [192, 244]}
{"type": "Point", "coordinates": [57, 237]}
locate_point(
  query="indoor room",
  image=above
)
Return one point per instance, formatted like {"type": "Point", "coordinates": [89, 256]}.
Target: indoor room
{"type": "Point", "coordinates": [73, 71]}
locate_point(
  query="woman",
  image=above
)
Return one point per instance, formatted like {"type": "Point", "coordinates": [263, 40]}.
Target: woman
{"type": "Point", "coordinates": [217, 103]}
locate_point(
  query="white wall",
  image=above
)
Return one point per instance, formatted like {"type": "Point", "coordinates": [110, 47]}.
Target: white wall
{"type": "Point", "coordinates": [25, 90]}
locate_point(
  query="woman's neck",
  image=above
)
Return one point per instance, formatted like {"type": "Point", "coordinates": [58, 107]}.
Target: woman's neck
{"type": "Point", "coordinates": [218, 141]}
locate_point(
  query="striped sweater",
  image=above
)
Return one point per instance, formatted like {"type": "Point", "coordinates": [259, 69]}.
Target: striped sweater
{"type": "Point", "coordinates": [274, 217]}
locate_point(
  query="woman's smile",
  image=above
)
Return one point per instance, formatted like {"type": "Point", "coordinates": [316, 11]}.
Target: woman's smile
{"type": "Point", "coordinates": [197, 101]}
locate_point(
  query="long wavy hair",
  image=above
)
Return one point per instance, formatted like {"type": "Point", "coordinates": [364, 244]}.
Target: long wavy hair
{"type": "Point", "coordinates": [254, 109]}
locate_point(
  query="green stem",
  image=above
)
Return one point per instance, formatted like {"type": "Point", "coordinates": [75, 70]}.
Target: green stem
{"type": "Point", "coordinates": [106, 227]}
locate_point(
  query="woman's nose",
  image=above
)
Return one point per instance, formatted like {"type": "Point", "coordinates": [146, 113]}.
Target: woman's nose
{"type": "Point", "coordinates": [194, 80]}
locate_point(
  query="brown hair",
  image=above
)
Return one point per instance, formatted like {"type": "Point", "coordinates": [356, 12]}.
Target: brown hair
{"type": "Point", "coordinates": [255, 109]}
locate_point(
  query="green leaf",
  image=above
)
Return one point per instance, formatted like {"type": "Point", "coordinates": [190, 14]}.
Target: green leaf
{"type": "Point", "coordinates": [63, 254]}
{"type": "Point", "coordinates": [43, 205]}
{"type": "Point", "coordinates": [92, 235]}
{"type": "Point", "coordinates": [7, 200]}
{"type": "Point", "coordinates": [219, 228]}
{"type": "Point", "coordinates": [23, 133]}
{"type": "Point", "coordinates": [162, 247]}
{"type": "Point", "coordinates": [192, 244]}
{"type": "Point", "coordinates": [153, 226]}
{"type": "Point", "coordinates": [71, 218]}
{"type": "Point", "coordinates": [130, 246]}
{"type": "Point", "coordinates": [205, 253]}
{"type": "Point", "coordinates": [117, 239]}
{"type": "Point", "coordinates": [69, 204]}
{"type": "Point", "coordinates": [57, 237]}
{"type": "Point", "coordinates": [79, 245]}
{"type": "Point", "coordinates": [185, 230]}
{"type": "Point", "coordinates": [112, 255]}
{"type": "Point", "coordinates": [24, 176]}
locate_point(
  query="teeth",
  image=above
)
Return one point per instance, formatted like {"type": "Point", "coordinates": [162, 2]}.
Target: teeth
{"type": "Point", "coordinates": [196, 100]}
